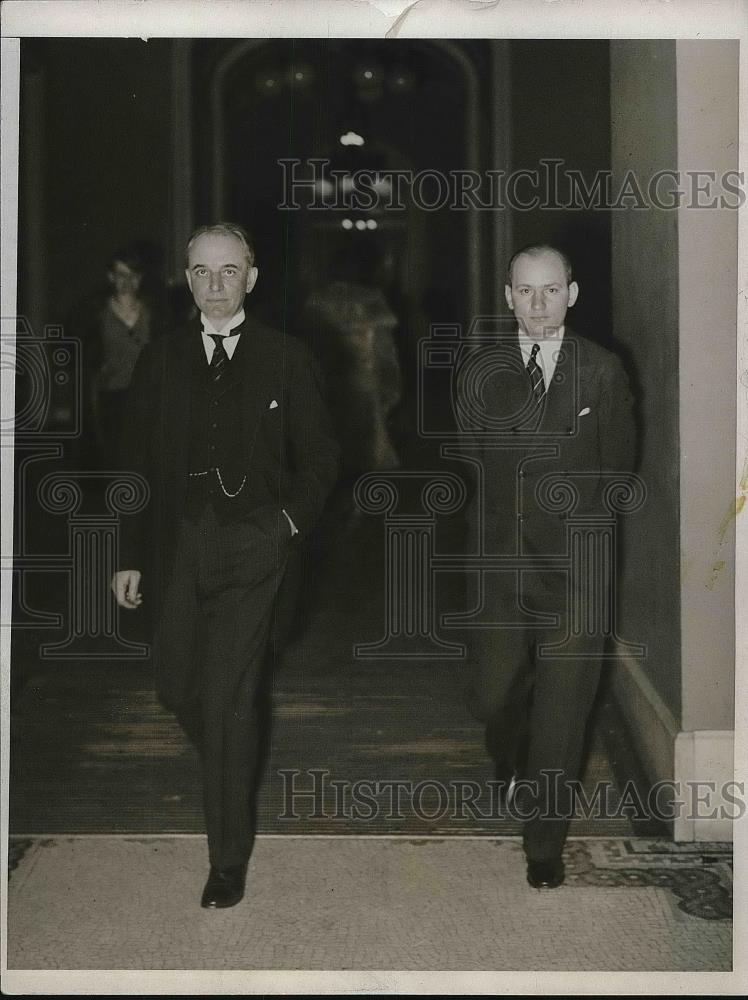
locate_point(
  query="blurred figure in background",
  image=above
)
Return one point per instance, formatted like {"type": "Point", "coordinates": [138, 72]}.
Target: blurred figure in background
{"type": "Point", "coordinates": [356, 343]}
{"type": "Point", "coordinates": [114, 326]}
{"type": "Point", "coordinates": [351, 326]}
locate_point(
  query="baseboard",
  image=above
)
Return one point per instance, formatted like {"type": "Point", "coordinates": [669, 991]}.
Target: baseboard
{"type": "Point", "coordinates": [704, 769]}
{"type": "Point", "coordinates": [669, 754]}
{"type": "Point", "coordinates": [652, 725]}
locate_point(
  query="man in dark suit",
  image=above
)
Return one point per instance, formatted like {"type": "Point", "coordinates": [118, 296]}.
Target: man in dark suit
{"type": "Point", "coordinates": [225, 422]}
{"type": "Point", "coordinates": [559, 411]}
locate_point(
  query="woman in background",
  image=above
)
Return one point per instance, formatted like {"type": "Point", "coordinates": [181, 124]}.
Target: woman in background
{"type": "Point", "coordinates": [116, 328]}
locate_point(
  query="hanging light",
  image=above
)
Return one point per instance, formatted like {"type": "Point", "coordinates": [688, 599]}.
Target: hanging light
{"type": "Point", "coordinates": [268, 83]}
{"type": "Point", "coordinates": [368, 78]}
{"type": "Point", "coordinates": [301, 75]}
{"type": "Point", "coordinates": [351, 139]}
{"type": "Point", "coordinates": [382, 186]}
{"type": "Point", "coordinates": [368, 74]}
{"type": "Point", "coordinates": [324, 186]}
{"type": "Point", "coordinates": [400, 80]}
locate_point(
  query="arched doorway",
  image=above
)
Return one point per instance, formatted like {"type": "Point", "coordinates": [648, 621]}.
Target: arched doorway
{"type": "Point", "coordinates": [416, 104]}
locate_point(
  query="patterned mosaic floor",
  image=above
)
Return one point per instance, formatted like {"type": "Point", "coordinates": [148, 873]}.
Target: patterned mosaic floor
{"type": "Point", "coordinates": [370, 903]}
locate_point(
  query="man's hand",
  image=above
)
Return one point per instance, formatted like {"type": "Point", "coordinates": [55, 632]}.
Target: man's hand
{"type": "Point", "coordinates": [125, 585]}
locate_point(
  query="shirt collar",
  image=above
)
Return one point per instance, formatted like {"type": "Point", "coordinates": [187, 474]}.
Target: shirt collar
{"type": "Point", "coordinates": [211, 331]}
{"type": "Point", "coordinates": [545, 343]}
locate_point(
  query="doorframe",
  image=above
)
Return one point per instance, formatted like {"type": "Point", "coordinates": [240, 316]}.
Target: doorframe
{"type": "Point", "coordinates": [481, 294]}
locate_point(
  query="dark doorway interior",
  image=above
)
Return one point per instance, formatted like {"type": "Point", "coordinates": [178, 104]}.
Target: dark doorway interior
{"type": "Point", "coordinates": [295, 99]}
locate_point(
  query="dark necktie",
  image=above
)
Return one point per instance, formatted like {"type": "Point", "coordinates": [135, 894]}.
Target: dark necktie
{"type": "Point", "coordinates": [537, 385]}
{"type": "Point", "coordinates": [219, 363]}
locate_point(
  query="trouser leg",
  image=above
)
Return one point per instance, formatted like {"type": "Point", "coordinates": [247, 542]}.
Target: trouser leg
{"type": "Point", "coordinates": [500, 678]}
{"type": "Point", "coordinates": [563, 695]}
{"type": "Point", "coordinates": [238, 589]}
{"type": "Point", "coordinates": [230, 724]}
{"type": "Point", "coordinates": [176, 651]}
{"type": "Point", "coordinates": [517, 692]}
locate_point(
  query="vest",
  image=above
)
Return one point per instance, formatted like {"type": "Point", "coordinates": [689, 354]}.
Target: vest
{"type": "Point", "coordinates": [216, 436]}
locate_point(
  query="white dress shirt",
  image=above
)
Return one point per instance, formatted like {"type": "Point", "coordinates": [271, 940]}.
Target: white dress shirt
{"type": "Point", "coordinates": [546, 357]}
{"type": "Point", "coordinates": [229, 340]}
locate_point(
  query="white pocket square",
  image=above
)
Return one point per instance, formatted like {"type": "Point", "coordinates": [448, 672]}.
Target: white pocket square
{"type": "Point", "coordinates": [584, 412]}
{"type": "Point", "coordinates": [273, 405]}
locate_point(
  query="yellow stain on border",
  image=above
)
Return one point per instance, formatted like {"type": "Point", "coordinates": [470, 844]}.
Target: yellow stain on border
{"type": "Point", "coordinates": [732, 513]}
{"type": "Point", "coordinates": [744, 477]}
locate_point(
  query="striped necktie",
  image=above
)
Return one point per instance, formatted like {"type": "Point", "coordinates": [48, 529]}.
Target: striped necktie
{"type": "Point", "coordinates": [219, 363]}
{"type": "Point", "coordinates": [537, 385]}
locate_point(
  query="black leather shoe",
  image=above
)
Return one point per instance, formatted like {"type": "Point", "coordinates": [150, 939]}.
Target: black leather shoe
{"type": "Point", "coordinates": [545, 874]}
{"type": "Point", "coordinates": [225, 887]}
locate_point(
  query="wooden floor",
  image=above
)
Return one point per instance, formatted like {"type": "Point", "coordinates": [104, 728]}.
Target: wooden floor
{"type": "Point", "coordinates": [93, 751]}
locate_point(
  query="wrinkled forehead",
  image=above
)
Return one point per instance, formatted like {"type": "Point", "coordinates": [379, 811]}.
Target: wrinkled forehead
{"type": "Point", "coordinates": [542, 268]}
{"type": "Point", "coordinates": [216, 250]}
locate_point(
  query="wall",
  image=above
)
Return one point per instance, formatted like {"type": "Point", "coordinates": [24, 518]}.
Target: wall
{"type": "Point", "coordinates": [107, 156]}
{"type": "Point", "coordinates": [707, 139]}
{"type": "Point", "coordinates": [645, 311]}
{"type": "Point", "coordinates": [560, 109]}
{"type": "Point", "coordinates": [674, 106]}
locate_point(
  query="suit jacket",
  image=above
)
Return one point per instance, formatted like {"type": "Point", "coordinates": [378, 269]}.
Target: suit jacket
{"type": "Point", "coordinates": [541, 458]}
{"type": "Point", "coordinates": [287, 450]}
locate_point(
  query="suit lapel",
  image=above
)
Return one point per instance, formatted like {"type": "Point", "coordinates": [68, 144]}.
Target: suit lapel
{"type": "Point", "coordinates": [561, 388]}
{"type": "Point", "coordinates": [186, 360]}
{"type": "Point", "coordinates": [568, 390]}
{"type": "Point", "coordinates": [196, 362]}
{"type": "Point", "coordinates": [258, 376]}
{"type": "Point", "coordinates": [506, 391]}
